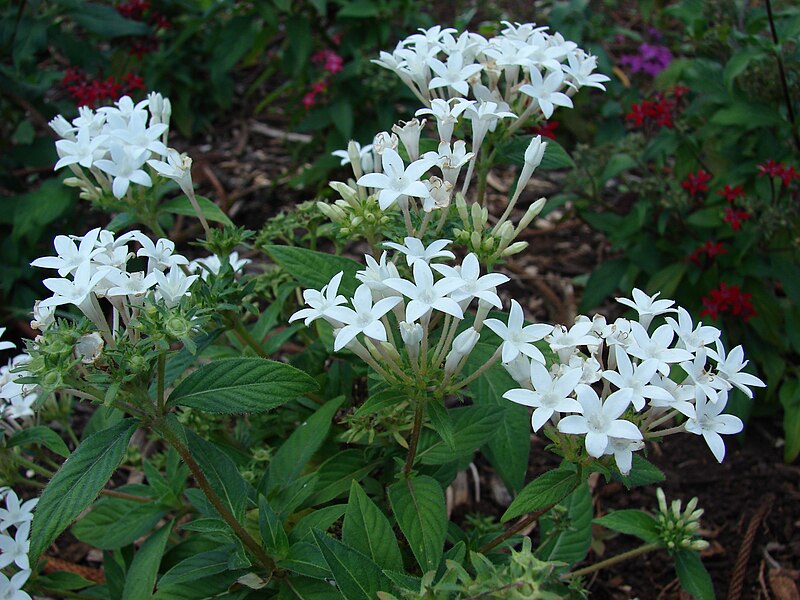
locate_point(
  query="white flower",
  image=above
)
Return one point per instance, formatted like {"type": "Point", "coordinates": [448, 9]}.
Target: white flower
{"type": "Point", "coordinates": [19, 406]}
{"type": "Point", "coordinates": [16, 513]}
{"type": "Point", "coordinates": [409, 134]}
{"type": "Point", "coordinates": [692, 338]}
{"type": "Point", "coordinates": [366, 318]}
{"type": "Point", "coordinates": [77, 291]}
{"type": "Point", "coordinates": [623, 450]}
{"type": "Point", "coordinates": [710, 424]}
{"type": "Point", "coordinates": [397, 180]}
{"type": "Point", "coordinates": [729, 369]}
{"type": "Point", "coordinates": [6, 345]}
{"type": "Point", "coordinates": [12, 588]}
{"type": "Point", "coordinates": [62, 127]}
{"type": "Point", "coordinates": [546, 91]}
{"type": "Point", "coordinates": [125, 167]}
{"type": "Point", "coordinates": [484, 118]}
{"type": "Point", "coordinates": [446, 113]}
{"type": "Point", "coordinates": [70, 256]}
{"type": "Point", "coordinates": [454, 74]}
{"type": "Point", "coordinates": [520, 370]}
{"type": "Point", "coordinates": [15, 550]}
{"type": "Point", "coordinates": [320, 301]}
{"type": "Point", "coordinates": [580, 71]}
{"type": "Point", "coordinates": [426, 295]}
{"type": "Point", "coordinates": [704, 381]}
{"type": "Point", "coordinates": [600, 420]}
{"type": "Point", "coordinates": [161, 255]}
{"type": "Point", "coordinates": [451, 161]}
{"type": "Point", "coordinates": [132, 285]}
{"type": "Point", "coordinates": [89, 347]}
{"type": "Point", "coordinates": [647, 306]}
{"type": "Point", "coordinates": [84, 150]}
{"type": "Point", "coordinates": [173, 286]}
{"type": "Point", "coordinates": [43, 316]}
{"type": "Point", "coordinates": [376, 273]}
{"type": "Point", "coordinates": [565, 341]}
{"type": "Point", "coordinates": [656, 346]}
{"type": "Point", "coordinates": [681, 396]}
{"type": "Point", "coordinates": [551, 395]}
{"type": "Point", "coordinates": [475, 286]}
{"type": "Point", "coordinates": [415, 250]}
{"type": "Point", "coordinates": [178, 168]}
{"type": "Point", "coordinates": [411, 334]}
{"type": "Point", "coordinates": [636, 379]}
{"type": "Point", "coordinates": [516, 338]}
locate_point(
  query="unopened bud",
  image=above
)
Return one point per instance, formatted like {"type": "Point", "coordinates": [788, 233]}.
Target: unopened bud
{"type": "Point", "coordinates": [477, 217]}
{"type": "Point", "coordinates": [346, 192]}
{"type": "Point", "coordinates": [354, 154]}
{"type": "Point", "coordinates": [488, 244]}
{"type": "Point", "coordinates": [74, 182]}
{"type": "Point", "coordinates": [411, 333]}
{"type": "Point", "coordinates": [463, 344]}
{"type": "Point", "coordinates": [475, 239]}
{"type": "Point", "coordinates": [461, 206]}
{"type": "Point", "coordinates": [356, 221]}
{"type": "Point", "coordinates": [514, 248]}
{"type": "Point", "coordinates": [89, 347]}
{"type": "Point", "coordinates": [530, 214]}
{"type": "Point", "coordinates": [520, 370]}
{"type": "Point", "coordinates": [505, 233]}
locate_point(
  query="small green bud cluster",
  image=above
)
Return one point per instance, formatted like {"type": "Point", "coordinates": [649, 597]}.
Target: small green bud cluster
{"type": "Point", "coordinates": [677, 529]}
{"type": "Point", "coordinates": [355, 214]}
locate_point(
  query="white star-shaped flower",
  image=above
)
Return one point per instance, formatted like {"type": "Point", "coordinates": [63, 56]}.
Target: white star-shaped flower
{"type": "Point", "coordinates": [710, 423]}
{"type": "Point", "coordinates": [551, 395]}
{"type": "Point", "coordinates": [517, 337]}
{"type": "Point", "coordinates": [364, 317]}
{"type": "Point", "coordinates": [397, 180]}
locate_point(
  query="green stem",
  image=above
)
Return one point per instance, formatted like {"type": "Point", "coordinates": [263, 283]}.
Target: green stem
{"type": "Point", "coordinates": [614, 560]}
{"type": "Point", "coordinates": [212, 496]}
{"type": "Point", "coordinates": [245, 336]}
{"type": "Point", "coordinates": [124, 496]}
{"type": "Point", "coordinates": [419, 413]}
{"type": "Point", "coordinates": [28, 464]}
{"type": "Point", "coordinates": [782, 71]}
{"type": "Point", "coordinates": [161, 403]}
{"type": "Point", "coordinates": [522, 524]}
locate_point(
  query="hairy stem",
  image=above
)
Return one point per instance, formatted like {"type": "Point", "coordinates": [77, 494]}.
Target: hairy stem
{"type": "Point", "coordinates": [614, 560]}
{"type": "Point", "coordinates": [419, 413]}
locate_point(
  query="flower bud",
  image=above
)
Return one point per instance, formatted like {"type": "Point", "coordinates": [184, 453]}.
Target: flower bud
{"type": "Point", "coordinates": [75, 182]}
{"type": "Point", "coordinates": [89, 347]}
{"type": "Point", "coordinates": [530, 214]}
{"type": "Point", "coordinates": [514, 248]}
{"type": "Point", "coordinates": [354, 154]}
{"type": "Point", "coordinates": [411, 333]}
{"type": "Point", "coordinates": [463, 344]}
{"type": "Point", "coordinates": [409, 135]}
{"type": "Point", "coordinates": [475, 239]}
{"type": "Point", "coordinates": [520, 370]}
{"type": "Point", "coordinates": [346, 192]}
{"type": "Point", "coordinates": [505, 233]}
{"type": "Point", "coordinates": [477, 217]}
{"type": "Point", "coordinates": [461, 206]}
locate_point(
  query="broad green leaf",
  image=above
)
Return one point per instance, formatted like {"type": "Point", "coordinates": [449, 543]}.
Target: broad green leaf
{"type": "Point", "coordinates": [604, 281]}
{"type": "Point", "coordinates": [616, 165]}
{"type": "Point", "coordinates": [667, 279]}
{"type": "Point", "coordinates": [320, 519]}
{"type": "Point", "coordinates": [305, 558]}
{"type": "Point", "coordinates": [183, 206]}
{"type": "Point", "coordinates": [221, 472]}
{"type": "Point", "coordinates": [509, 447]}
{"type": "Point", "coordinates": [367, 529]}
{"type": "Point", "coordinates": [63, 580]}
{"type": "Point", "coordinates": [738, 63]}
{"type": "Point", "coordinates": [571, 544]}
{"type": "Point", "coordinates": [419, 507]}
{"type": "Point", "coordinates": [241, 385]}
{"type": "Point", "coordinates": [513, 152]}
{"type": "Point", "coordinates": [442, 423]}
{"type": "Point", "coordinates": [141, 576]}
{"type": "Point", "coordinates": [631, 521]}
{"type": "Point", "coordinates": [473, 426]}
{"type": "Point", "coordinates": [643, 472]}
{"type": "Point", "coordinates": [102, 20]}
{"type": "Point", "coordinates": [315, 269]}
{"type": "Point", "coordinates": [693, 575]}
{"type": "Point", "coordinates": [355, 574]}
{"type": "Point", "coordinates": [77, 483]}
{"type": "Point", "coordinates": [273, 536]}
{"type": "Point", "coordinates": [542, 493]}
{"type": "Point", "coordinates": [116, 522]}
{"type": "Point", "coordinates": [294, 454]}
{"type": "Point", "coordinates": [305, 588]}
{"type": "Point", "coordinates": [747, 116]}
{"type": "Point", "coordinates": [39, 435]}
{"type": "Point", "coordinates": [336, 473]}
{"type": "Point", "coordinates": [196, 567]}
{"type": "Point", "coordinates": [213, 586]}
{"type": "Point", "coordinates": [789, 396]}
{"type": "Point", "coordinates": [359, 9]}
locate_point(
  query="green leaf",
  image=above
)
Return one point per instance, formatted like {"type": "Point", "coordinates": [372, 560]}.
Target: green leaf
{"type": "Point", "coordinates": [336, 473]}
{"type": "Point", "coordinates": [77, 483]}
{"type": "Point", "coordinates": [705, 217]}
{"type": "Point", "coordinates": [442, 423]}
{"type": "Point", "coordinates": [747, 116]}
{"type": "Point", "coordinates": [316, 269]}
{"type": "Point", "coordinates": [367, 529]}
{"type": "Point", "coordinates": [616, 165]}
{"type": "Point", "coordinates": [509, 447]}
{"type": "Point", "coordinates": [305, 588]}
{"type": "Point", "coordinates": [737, 64]}
{"type": "Point", "coordinates": [241, 385]}
{"type": "Point", "coordinates": [273, 536]}
{"type": "Point", "coordinates": [643, 472]}
{"type": "Point", "coordinates": [632, 522]}
{"type": "Point", "coordinates": [359, 9]}
{"type": "Point", "coordinates": [789, 395]}
{"type": "Point", "coordinates": [355, 574]}
{"type": "Point", "coordinates": [544, 492]}
{"type": "Point", "coordinates": [221, 472]}
{"type": "Point", "coordinates": [196, 567]}
{"type": "Point", "coordinates": [306, 559]}
{"type": "Point", "coordinates": [571, 544]}
{"type": "Point", "coordinates": [419, 506]}
{"type": "Point", "coordinates": [473, 426]}
{"type": "Point", "coordinates": [141, 576]}
{"type": "Point", "coordinates": [104, 21]}
{"type": "Point", "coordinates": [693, 575]}
{"type": "Point", "coordinates": [604, 281]}
{"type": "Point", "coordinates": [667, 279]}
{"type": "Point", "coordinates": [294, 454]}
{"type": "Point", "coordinates": [513, 152]}
{"type": "Point", "coordinates": [342, 115]}
{"type": "Point", "coordinates": [39, 435]}
{"type": "Point", "coordinates": [183, 206]}
{"type": "Point", "coordinates": [116, 522]}
{"type": "Point", "coordinates": [320, 519]}
{"type": "Point", "coordinates": [63, 580]}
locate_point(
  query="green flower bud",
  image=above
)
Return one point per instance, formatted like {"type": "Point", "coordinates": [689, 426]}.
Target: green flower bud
{"type": "Point", "coordinates": [52, 380]}
{"type": "Point", "coordinates": [178, 327]}
{"type": "Point", "coordinates": [138, 364]}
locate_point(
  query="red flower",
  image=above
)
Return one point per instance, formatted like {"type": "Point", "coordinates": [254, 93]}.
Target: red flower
{"type": "Point", "coordinates": [787, 175]}
{"type": "Point", "coordinates": [710, 249]}
{"type": "Point", "coordinates": [546, 129]}
{"type": "Point", "coordinates": [771, 168]}
{"type": "Point", "coordinates": [735, 217]}
{"type": "Point", "coordinates": [728, 299]}
{"type": "Point", "coordinates": [309, 100]}
{"type": "Point", "coordinates": [696, 182]}
{"type": "Point", "coordinates": [329, 61]}
{"type": "Point", "coordinates": [731, 193]}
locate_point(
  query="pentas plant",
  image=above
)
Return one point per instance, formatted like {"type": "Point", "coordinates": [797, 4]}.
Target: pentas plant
{"type": "Point", "coordinates": [15, 527]}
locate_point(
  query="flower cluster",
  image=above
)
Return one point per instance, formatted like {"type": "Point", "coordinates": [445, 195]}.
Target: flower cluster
{"type": "Point", "coordinates": [658, 112]}
{"type": "Point", "coordinates": [735, 217]}
{"type": "Point", "coordinates": [650, 60]}
{"type": "Point", "coordinates": [120, 145]}
{"type": "Point", "coordinates": [728, 299]}
{"type": "Point", "coordinates": [786, 174]}
{"type": "Point", "coordinates": [696, 183]}
{"type": "Point", "coordinates": [16, 515]}
{"type": "Point", "coordinates": [710, 250]}
{"type": "Point", "coordinates": [331, 63]}
{"type": "Point", "coordinates": [86, 91]}
{"type": "Point", "coordinates": [16, 399]}
{"type": "Point", "coordinates": [95, 266]}
{"type": "Point", "coordinates": [617, 383]}
{"type": "Point", "coordinates": [614, 384]}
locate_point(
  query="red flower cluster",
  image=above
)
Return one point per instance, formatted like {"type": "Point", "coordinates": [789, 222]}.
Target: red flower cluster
{"type": "Point", "coordinates": [317, 88]}
{"type": "Point", "coordinates": [546, 129]}
{"type": "Point", "coordinates": [731, 193]}
{"type": "Point", "coordinates": [659, 111]}
{"type": "Point", "coordinates": [728, 299]}
{"type": "Point", "coordinates": [329, 61]}
{"type": "Point", "coordinates": [696, 182]}
{"type": "Point", "coordinates": [776, 169]}
{"type": "Point", "coordinates": [91, 92]}
{"type": "Point", "coordinates": [735, 216]}
{"type": "Point", "coordinates": [142, 11]}
{"type": "Point", "coordinates": [709, 249]}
